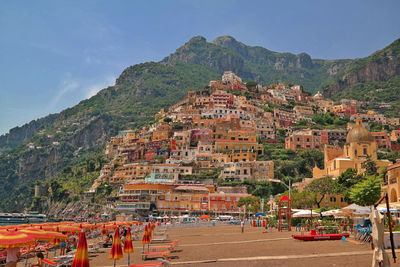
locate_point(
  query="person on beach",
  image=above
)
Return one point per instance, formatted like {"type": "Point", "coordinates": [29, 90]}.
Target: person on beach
{"type": "Point", "coordinates": [242, 226]}
{"type": "Point", "coordinates": [12, 257]}
{"type": "Point", "coordinates": [63, 247]}
{"type": "Point", "coordinates": [40, 258]}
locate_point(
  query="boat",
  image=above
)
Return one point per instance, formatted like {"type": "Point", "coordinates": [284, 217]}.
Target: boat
{"type": "Point", "coordinates": [12, 218]}
{"type": "Point", "coordinates": [321, 237]}
{"type": "Point", "coordinates": [35, 217]}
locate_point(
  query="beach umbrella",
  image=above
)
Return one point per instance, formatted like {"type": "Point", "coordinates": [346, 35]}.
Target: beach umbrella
{"type": "Point", "coordinates": [149, 231]}
{"type": "Point", "coordinates": [81, 258]}
{"type": "Point", "coordinates": [305, 214]}
{"type": "Point", "coordinates": [128, 246]}
{"type": "Point", "coordinates": [41, 235]}
{"type": "Point", "coordinates": [204, 217]}
{"type": "Point", "coordinates": [69, 229]}
{"type": "Point", "coordinates": [116, 249]}
{"type": "Point", "coordinates": [15, 239]}
{"type": "Point", "coordinates": [145, 239]}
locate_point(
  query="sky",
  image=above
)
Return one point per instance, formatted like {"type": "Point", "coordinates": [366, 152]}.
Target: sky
{"type": "Point", "coordinates": [54, 54]}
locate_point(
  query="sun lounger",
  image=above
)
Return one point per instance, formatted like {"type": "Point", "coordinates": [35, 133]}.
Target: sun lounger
{"type": "Point", "coordinates": [159, 238]}
{"type": "Point", "coordinates": [151, 264]}
{"type": "Point", "coordinates": [94, 247]}
{"type": "Point", "coordinates": [156, 254]}
{"type": "Point", "coordinates": [158, 248]}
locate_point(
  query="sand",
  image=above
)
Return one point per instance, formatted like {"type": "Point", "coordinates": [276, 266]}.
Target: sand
{"type": "Point", "coordinates": [227, 246]}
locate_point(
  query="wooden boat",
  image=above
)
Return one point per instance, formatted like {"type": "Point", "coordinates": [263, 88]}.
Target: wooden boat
{"type": "Point", "coordinates": [321, 237]}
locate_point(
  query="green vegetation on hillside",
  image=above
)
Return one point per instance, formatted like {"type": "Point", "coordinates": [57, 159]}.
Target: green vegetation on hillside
{"type": "Point", "coordinates": [81, 131]}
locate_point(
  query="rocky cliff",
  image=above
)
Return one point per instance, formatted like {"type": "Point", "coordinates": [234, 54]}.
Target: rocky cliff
{"type": "Point", "coordinates": [255, 62]}
{"type": "Point", "coordinates": [380, 66]}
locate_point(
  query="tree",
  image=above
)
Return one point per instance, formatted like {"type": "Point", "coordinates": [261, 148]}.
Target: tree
{"type": "Point", "coordinates": [313, 158]}
{"type": "Point", "coordinates": [299, 200]}
{"type": "Point", "coordinates": [252, 204]}
{"type": "Point", "coordinates": [366, 192]}
{"type": "Point", "coordinates": [346, 181]}
{"type": "Point", "coordinates": [321, 187]}
{"type": "Point", "coordinates": [370, 167]}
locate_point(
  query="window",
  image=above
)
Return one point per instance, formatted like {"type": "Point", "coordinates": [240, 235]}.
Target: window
{"type": "Point", "coordinates": [365, 151]}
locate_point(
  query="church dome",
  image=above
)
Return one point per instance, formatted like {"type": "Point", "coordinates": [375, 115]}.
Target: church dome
{"type": "Point", "coordinates": [359, 134]}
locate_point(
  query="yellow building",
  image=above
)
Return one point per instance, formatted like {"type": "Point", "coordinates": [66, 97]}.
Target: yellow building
{"type": "Point", "coordinates": [393, 187]}
{"type": "Point", "coordinates": [360, 145]}
{"type": "Point", "coordinates": [162, 132]}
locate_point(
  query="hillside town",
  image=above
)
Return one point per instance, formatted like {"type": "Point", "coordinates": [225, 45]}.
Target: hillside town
{"type": "Point", "coordinates": [196, 155]}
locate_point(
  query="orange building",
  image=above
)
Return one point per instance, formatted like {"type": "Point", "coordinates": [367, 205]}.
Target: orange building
{"type": "Point", "coordinates": [162, 132]}
{"type": "Point", "coordinates": [305, 140]}
{"type": "Point", "coordinates": [382, 139]}
{"type": "Point", "coordinates": [129, 172]}
{"type": "Point", "coordinates": [185, 198]}
{"type": "Point", "coordinates": [395, 135]}
{"type": "Point", "coordinates": [222, 202]}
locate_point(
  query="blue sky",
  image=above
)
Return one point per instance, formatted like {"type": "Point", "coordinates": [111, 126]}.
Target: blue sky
{"type": "Point", "coordinates": [54, 54]}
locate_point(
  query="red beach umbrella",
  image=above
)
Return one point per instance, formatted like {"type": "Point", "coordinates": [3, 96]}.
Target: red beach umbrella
{"type": "Point", "coordinates": [128, 246]}
{"type": "Point", "coordinates": [204, 217]}
{"type": "Point", "coordinates": [81, 258]}
{"type": "Point", "coordinates": [15, 239]}
{"type": "Point", "coordinates": [145, 239]}
{"type": "Point", "coordinates": [116, 249]}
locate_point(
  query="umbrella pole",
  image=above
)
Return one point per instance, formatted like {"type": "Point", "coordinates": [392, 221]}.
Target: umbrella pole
{"type": "Point", "coordinates": [115, 262]}
{"type": "Point", "coordinates": [129, 259]}
{"type": "Point", "coordinates": [390, 227]}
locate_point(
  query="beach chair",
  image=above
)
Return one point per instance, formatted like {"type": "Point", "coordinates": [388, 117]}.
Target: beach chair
{"type": "Point", "coordinates": [156, 254]}
{"type": "Point", "coordinates": [160, 238]}
{"type": "Point", "coordinates": [48, 262]}
{"type": "Point", "coordinates": [152, 264]}
{"type": "Point", "coordinates": [169, 246]}
{"type": "Point", "coordinates": [94, 247]}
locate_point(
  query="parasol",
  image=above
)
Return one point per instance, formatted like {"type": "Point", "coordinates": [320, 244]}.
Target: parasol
{"type": "Point", "coordinates": [128, 246]}
{"type": "Point", "coordinates": [15, 239]}
{"type": "Point", "coordinates": [81, 258]}
{"type": "Point", "coordinates": [116, 249]}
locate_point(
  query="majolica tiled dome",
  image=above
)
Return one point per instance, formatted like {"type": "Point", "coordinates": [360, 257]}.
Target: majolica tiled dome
{"type": "Point", "coordinates": [359, 134]}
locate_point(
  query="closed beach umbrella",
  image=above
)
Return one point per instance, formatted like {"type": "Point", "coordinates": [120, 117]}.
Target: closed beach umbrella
{"type": "Point", "coordinates": [81, 258]}
{"type": "Point", "coordinates": [116, 249]}
{"type": "Point", "coordinates": [15, 239]}
{"type": "Point", "coordinates": [128, 246]}
{"type": "Point", "coordinates": [149, 231]}
{"type": "Point", "coordinates": [145, 239]}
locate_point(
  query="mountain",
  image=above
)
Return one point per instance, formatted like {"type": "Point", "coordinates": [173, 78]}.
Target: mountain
{"type": "Point", "coordinates": [256, 63]}
{"type": "Point", "coordinates": [79, 132]}
{"type": "Point", "coordinates": [64, 150]}
{"type": "Point", "coordinates": [19, 134]}
{"type": "Point", "coordinates": [369, 73]}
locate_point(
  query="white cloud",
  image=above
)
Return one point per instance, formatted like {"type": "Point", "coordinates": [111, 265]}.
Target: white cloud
{"type": "Point", "coordinates": [71, 89]}
{"type": "Point", "coordinates": [67, 84]}
{"type": "Point", "coordinates": [96, 87]}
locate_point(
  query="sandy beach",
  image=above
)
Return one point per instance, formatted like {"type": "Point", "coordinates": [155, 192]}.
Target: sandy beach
{"type": "Point", "coordinates": [227, 246]}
